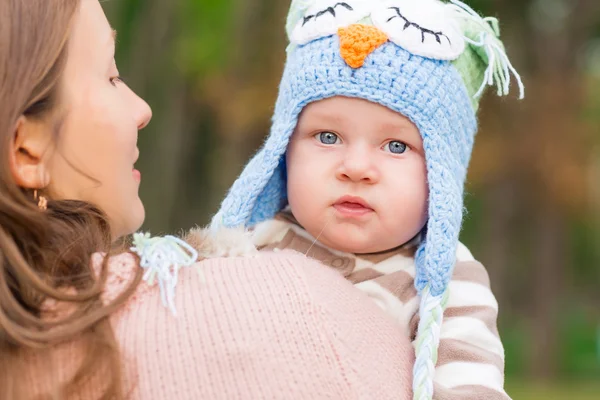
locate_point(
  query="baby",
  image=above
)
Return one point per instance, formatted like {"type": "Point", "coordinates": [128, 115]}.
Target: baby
{"type": "Point", "coordinates": [364, 170]}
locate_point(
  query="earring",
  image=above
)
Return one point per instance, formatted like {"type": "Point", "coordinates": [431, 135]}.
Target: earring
{"type": "Point", "coordinates": [42, 202]}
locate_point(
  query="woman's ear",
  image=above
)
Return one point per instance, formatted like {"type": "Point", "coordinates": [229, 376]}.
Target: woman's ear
{"type": "Point", "coordinates": [31, 141]}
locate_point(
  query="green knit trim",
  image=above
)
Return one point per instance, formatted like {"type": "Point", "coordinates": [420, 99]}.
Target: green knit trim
{"type": "Point", "coordinates": [472, 64]}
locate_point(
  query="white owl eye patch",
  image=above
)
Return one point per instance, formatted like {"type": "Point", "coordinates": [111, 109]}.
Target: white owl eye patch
{"type": "Point", "coordinates": [407, 24]}
{"type": "Point", "coordinates": [328, 10]}
{"type": "Point", "coordinates": [427, 28]}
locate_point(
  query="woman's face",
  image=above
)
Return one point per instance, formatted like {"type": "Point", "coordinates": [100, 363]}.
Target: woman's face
{"type": "Point", "coordinates": [94, 155]}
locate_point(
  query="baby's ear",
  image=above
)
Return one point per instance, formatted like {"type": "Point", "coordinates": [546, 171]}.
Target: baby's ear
{"type": "Point", "coordinates": [224, 242]}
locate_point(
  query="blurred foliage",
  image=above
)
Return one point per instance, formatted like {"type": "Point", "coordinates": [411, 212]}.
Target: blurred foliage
{"type": "Point", "coordinates": [210, 70]}
{"type": "Point", "coordinates": [572, 391]}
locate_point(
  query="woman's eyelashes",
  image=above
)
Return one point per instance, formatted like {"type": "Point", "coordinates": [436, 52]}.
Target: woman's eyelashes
{"type": "Point", "coordinates": [116, 79]}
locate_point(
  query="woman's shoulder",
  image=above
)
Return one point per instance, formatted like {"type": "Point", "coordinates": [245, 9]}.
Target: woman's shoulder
{"type": "Point", "coordinates": [124, 267]}
{"type": "Point", "coordinates": [237, 315]}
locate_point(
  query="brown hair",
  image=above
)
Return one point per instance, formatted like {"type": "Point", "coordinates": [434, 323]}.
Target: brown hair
{"type": "Point", "coordinates": [44, 252]}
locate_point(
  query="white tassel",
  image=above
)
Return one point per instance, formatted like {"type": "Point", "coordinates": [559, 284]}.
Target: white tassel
{"type": "Point", "coordinates": [499, 66]}
{"type": "Point", "coordinates": [162, 257]}
{"type": "Point", "coordinates": [431, 311]}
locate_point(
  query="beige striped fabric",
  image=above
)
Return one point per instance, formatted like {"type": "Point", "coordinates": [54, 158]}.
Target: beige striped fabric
{"type": "Point", "coordinates": [471, 356]}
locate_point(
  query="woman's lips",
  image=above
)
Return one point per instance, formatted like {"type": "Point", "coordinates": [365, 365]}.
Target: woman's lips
{"type": "Point", "coordinates": [137, 175]}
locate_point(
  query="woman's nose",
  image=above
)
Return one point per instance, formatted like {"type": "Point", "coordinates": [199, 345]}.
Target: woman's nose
{"type": "Point", "coordinates": [142, 113]}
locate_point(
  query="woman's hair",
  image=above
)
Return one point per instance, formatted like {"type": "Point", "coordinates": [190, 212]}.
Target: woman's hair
{"type": "Point", "coordinates": [45, 256]}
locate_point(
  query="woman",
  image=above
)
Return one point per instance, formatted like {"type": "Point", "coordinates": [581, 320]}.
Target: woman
{"type": "Point", "coordinates": [75, 323]}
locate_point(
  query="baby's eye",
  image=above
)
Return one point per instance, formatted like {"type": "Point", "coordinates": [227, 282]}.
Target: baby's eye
{"type": "Point", "coordinates": [325, 17]}
{"type": "Point", "coordinates": [327, 137]}
{"type": "Point", "coordinates": [396, 147]}
{"type": "Point", "coordinates": [426, 28]}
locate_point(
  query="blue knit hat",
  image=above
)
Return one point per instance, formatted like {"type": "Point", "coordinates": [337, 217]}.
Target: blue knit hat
{"type": "Point", "coordinates": [425, 59]}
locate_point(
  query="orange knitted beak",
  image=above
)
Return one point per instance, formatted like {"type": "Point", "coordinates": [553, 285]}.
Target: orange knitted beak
{"type": "Point", "coordinates": [357, 41]}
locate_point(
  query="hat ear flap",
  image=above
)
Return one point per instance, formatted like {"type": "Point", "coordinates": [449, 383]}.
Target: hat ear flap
{"type": "Point", "coordinates": [273, 197]}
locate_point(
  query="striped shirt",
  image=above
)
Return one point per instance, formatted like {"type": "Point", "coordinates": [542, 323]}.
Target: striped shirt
{"type": "Point", "coordinates": [471, 356]}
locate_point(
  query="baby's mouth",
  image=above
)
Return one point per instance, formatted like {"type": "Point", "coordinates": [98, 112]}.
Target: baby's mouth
{"type": "Point", "coordinates": [352, 206]}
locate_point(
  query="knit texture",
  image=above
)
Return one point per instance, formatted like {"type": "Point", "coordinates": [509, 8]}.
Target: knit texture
{"type": "Point", "coordinates": [276, 327]}
{"type": "Point", "coordinates": [358, 41]}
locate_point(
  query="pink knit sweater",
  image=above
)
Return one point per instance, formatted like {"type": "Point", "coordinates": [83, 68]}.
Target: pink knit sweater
{"type": "Point", "coordinates": [274, 327]}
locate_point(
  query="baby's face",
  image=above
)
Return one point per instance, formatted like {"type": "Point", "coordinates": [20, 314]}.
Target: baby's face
{"type": "Point", "coordinates": [356, 175]}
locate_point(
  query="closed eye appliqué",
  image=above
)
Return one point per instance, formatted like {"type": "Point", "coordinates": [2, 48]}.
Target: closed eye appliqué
{"type": "Point", "coordinates": [425, 27]}
{"type": "Point", "coordinates": [328, 10]}
{"type": "Point", "coordinates": [325, 17]}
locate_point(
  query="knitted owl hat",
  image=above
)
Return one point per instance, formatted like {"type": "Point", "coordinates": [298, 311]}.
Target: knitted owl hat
{"type": "Point", "coordinates": [425, 59]}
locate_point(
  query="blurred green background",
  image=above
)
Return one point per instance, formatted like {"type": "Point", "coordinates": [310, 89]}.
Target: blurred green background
{"type": "Point", "coordinates": [210, 70]}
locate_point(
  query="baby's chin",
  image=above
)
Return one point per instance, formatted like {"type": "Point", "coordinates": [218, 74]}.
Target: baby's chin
{"type": "Point", "coordinates": [342, 241]}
